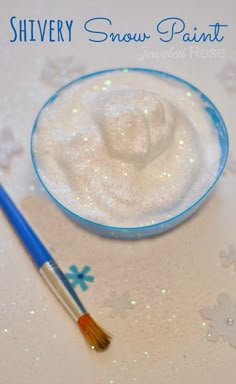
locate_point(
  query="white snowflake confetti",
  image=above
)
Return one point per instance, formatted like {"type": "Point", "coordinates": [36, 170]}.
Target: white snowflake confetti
{"type": "Point", "coordinates": [227, 76]}
{"type": "Point", "coordinates": [228, 255]}
{"type": "Point", "coordinates": [61, 71]}
{"type": "Point", "coordinates": [222, 320]}
{"type": "Point", "coordinates": [231, 166]}
{"type": "Point", "coordinates": [119, 304]}
{"type": "Point", "coordinates": [9, 147]}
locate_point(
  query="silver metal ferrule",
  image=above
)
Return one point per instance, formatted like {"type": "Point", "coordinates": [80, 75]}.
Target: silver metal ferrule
{"type": "Point", "coordinates": [62, 289]}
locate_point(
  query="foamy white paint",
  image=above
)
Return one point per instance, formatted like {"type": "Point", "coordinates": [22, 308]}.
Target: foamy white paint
{"type": "Point", "coordinates": [126, 148]}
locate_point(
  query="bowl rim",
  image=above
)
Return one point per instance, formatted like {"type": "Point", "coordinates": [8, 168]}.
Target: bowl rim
{"type": "Point", "coordinates": [160, 224]}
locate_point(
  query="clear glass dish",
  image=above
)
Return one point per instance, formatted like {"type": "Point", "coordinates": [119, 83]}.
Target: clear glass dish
{"type": "Point", "coordinates": [170, 222]}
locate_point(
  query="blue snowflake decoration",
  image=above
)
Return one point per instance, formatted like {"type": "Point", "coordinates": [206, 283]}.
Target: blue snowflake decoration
{"type": "Point", "coordinates": [79, 277]}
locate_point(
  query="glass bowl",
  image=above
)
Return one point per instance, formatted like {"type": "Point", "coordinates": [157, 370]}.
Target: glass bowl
{"type": "Point", "coordinates": [170, 222]}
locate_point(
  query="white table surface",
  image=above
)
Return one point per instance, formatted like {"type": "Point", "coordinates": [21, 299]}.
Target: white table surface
{"type": "Point", "coordinates": [170, 278]}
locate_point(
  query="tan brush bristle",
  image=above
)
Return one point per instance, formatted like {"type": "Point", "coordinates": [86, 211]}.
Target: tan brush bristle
{"type": "Point", "coordinates": [95, 335]}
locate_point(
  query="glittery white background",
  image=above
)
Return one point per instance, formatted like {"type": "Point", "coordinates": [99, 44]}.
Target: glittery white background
{"type": "Point", "coordinates": [161, 298]}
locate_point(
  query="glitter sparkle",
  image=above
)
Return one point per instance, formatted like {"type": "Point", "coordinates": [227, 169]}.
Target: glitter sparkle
{"type": "Point", "coordinates": [107, 82]}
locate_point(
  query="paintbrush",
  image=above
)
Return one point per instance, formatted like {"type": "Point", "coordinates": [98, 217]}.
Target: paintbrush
{"type": "Point", "coordinates": [95, 335]}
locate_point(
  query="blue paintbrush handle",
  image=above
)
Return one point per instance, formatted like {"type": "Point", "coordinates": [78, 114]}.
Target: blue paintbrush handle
{"type": "Point", "coordinates": [53, 275]}
{"type": "Point", "coordinates": [32, 243]}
